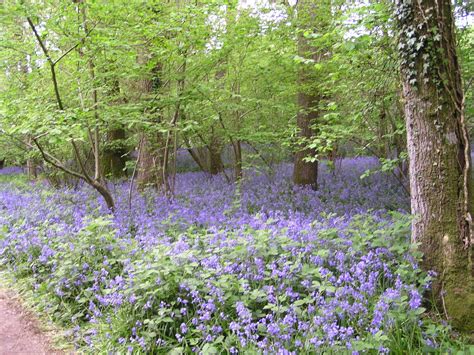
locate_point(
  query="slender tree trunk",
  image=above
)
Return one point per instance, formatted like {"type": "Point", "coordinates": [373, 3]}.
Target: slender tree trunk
{"type": "Point", "coordinates": [98, 181]}
{"type": "Point", "coordinates": [439, 153]}
{"type": "Point", "coordinates": [209, 158]}
{"type": "Point", "coordinates": [169, 143]}
{"type": "Point", "coordinates": [31, 166]}
{"type": "Point", "coordinates": [215, 147]}
{"type": "Point", "coordinates": [31, 169]}
{"type": "Point", "coordinates": [95, 133]}
{"type": "Point", "coordinates": [238, 160]}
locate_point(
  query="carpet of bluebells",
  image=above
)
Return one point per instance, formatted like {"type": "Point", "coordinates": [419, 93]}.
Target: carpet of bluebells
{"type": "Point", "coordinates": [260, 267]}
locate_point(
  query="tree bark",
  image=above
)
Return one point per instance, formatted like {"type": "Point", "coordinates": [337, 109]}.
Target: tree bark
{"type": "Point", "coordinates": [114, 151]}
{"type": "Point", "coordinates": [216, 165]}
{"type": "Point", "coordinates": [31, 166]}
{"type": "Point", "coordinates": [439, 153]}
{"type": "Point", "coordinates": [197, 157]}
{"type": "Point", "coordinates": [113, 154]}
{"type": "Point", "coordinates": [238, 161]}
{"type": "Point", "coordinates": [305, 172]}
{"type": "Point", "coordinates": [31, 169]}
{"type": "Point", "coordinates": [215, 147]}
{"type": "Point", "coordinates": [150, 171]}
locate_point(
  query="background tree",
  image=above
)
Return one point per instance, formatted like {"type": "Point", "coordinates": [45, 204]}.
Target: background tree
{"type": "Point", "coordinates": [310, 14]}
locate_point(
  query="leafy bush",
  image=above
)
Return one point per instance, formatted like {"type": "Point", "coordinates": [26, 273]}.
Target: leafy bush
{"type": "Point", "coordinates": [250, 290]}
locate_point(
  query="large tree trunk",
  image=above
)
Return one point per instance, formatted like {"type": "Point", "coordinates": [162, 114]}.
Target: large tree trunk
{"type": "Point", "coordinates": [208, 158]}
{"type": "Point", "coordinates": [198, 157]}
{"type": "Point", "coordinates": [150, 171]}
{"type": "Point", "coordinates": [114, 151]}
{"type": "Point", "coordinates": [215, 163]}
{"type": "Point", "coordinates": [114, 154]}
{"type": "Point", "coordinates": [439, 153]}
{"type": "Point", "coordinates": [306, 172]}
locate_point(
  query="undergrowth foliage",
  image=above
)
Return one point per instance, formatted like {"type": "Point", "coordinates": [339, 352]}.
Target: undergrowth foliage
{"type": "Point", "coordinates": [222, 271]}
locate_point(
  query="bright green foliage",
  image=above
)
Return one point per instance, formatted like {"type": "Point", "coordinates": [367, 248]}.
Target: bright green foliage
{"type": "Point", "coordinates": [238, 80]}
{"type": "Point", "coordinates": [159, 274]}
{"type": "Point", "coordinates": [225, 71]}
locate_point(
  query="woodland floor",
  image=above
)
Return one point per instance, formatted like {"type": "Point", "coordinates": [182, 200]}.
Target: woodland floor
{"type": "Point", "coordinates": [19, 330]}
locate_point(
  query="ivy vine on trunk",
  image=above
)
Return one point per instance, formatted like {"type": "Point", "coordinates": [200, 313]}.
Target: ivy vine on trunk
{"type": "Point", "coordinates": [439, 153]}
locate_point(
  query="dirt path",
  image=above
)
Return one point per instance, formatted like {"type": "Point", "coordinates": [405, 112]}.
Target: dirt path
{"type": "Point", "coordinates": [19, 331]}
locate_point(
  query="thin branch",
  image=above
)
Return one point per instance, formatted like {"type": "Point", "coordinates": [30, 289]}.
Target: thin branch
{"type": "Point", "coordinates": [55, 162]}
{"type": "Point", "coordinates": [40, 41]}
{"type": "Point", "coordinates": [79, 160]}
{"type": "Point", "coordinates": [140, 145]}
{"type": "Point", "coordinates": [259, 155]}
{"type": "Point", "coordinates": [66, 53]}
{"type": "Point", "coordinates": [193, 154]}
{"type": "Point", "coordinates": [51, 64]}
{"type": "Point", "coordinates": [468, 85]}
{"type": "Point", "coordinates": [180, 85]}
{"type": "Point", "coordinates": [370, 150]}
{"type": "Point", "coordinates": [18, 145]}
{"type": "Point", "coordinates": [75, 46]}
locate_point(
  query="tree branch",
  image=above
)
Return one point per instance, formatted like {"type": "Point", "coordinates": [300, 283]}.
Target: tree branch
{"type": "Point", "coordinates": [40, 41]}
{"type": "Point", "coordinates": [55, 162]}
{"type": "Point", "coordinates": [66, 53]}
{"type": "Point", "coordinates": [51, 64]}
{"type": "Point", "coordinates": [74, 46]}
{"type": "Point", "coordinates": [79, 160]}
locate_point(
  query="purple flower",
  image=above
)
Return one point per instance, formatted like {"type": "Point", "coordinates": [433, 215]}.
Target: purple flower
{"type": "Point", "coordinates": [415, 299]}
